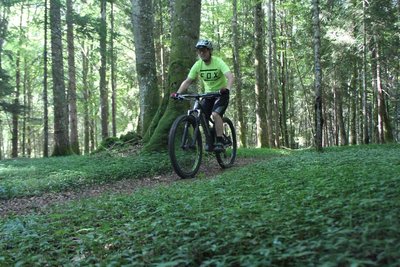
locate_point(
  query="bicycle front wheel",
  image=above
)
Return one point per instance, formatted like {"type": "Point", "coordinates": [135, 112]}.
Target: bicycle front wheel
{"type": "Point", "coordinates": [227, 157]}
{"type": "Point", "coordinates": [185, 146]}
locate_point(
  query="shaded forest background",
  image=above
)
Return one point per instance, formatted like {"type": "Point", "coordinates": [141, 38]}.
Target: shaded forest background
{"type": "Point", "coordinates": [74, 73]}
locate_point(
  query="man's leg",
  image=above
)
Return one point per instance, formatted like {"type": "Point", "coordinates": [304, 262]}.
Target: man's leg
{"type": "Point", "coordinates": [218, 124]}
{"type": "Point", "coordinates": [218, 111]}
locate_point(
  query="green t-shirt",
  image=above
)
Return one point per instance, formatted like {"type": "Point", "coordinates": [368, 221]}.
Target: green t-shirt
{"type": "Point", "coordinates": [212, 75]}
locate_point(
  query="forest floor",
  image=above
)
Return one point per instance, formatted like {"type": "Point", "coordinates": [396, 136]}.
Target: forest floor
{"type": "Point", "coordinates": [39, 204]}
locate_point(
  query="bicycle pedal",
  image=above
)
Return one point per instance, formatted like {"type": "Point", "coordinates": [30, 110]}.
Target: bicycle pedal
{"type": "Point", "coordinates": [209, 148]}
{"type": "Point", "coordinates": [219, 149]}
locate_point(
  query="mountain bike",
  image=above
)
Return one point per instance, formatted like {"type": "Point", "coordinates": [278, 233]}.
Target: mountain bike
{"type": "Point", "coordinates": [185, 140]}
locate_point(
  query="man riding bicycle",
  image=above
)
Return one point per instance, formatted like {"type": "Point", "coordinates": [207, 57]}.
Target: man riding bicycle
{"type": "Point", "coordinates": [216, 77]}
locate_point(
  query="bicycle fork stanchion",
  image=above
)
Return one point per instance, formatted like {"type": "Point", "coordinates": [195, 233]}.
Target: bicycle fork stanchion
{"type": "Point", "coordinates": [184, 137]}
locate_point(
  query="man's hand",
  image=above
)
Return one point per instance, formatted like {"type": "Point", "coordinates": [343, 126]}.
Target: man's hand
{"type": "Point", "coordinates": [223, 91]}
{"type": "Point", "coordinates": [174, 95]}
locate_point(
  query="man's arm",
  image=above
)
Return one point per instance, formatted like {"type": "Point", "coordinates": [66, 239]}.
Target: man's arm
{"type": "Point", "coordinates": [184, 85]}
{"type": "Point", "coordinates": [230, 78]}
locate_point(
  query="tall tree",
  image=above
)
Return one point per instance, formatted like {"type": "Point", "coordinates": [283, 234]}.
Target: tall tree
{"type": "Point", "coordinates": [15, 113]}
{"type": "Point", "coordinates": [338, 103]}
{"type": "Point", "coordinates": [185, 32]}
{"type": "Point", "coordinates": [143, 24]}
{"type": "Point", "coordinates": [353, 106]}
{"type": "Point", "coordinates": [27, 141]}
{"type": "Point", "coordinates": [283, 81]}
{"type": "Point", "coordinates": [366, 133]}
{"type": "Point", "coordinates": [61, 138]}
{"type": "Point", "coordinates": [73, 115]}
{"type": "Point", "coordinates": [113, 75]}
{"type": "Point", "coordinates": [103, 83]}
{"type": "Point", "coordinates": [273, 91]}
{"type": "Point", "coordinates": [86, 99]}
{"type": "Point", "coordinates": [45, 93]}
{"type": "Point", "coordinates": [161, 33]}
{"type": "Point", "coordinates": [238, 75]}
{"type": "Point", "coordinates": [384, 125]}
{"type": "Point", "coordinates": [5, 85]}
{"type": "Point", "coordinates": [89, 112]}
{"type": "Point", "coordinates": [3, 27]}
{"type": "Point", "coordinates": [318, 77]}
{"type": "Point", "coordinates": [260, 87]}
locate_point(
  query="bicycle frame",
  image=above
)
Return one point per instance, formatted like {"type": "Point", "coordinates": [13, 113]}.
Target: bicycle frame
{"type": "Point", "coordinates": [185, 139]}
{"type": "Point", "coordinates": [198, 113]}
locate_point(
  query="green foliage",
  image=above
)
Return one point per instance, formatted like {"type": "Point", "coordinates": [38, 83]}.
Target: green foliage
{"type": "Point", "coordinates": [125, 140]}
{"type": "Point", "coordinates": [26, 177]}
{"type": "Point", "coordinates": [130, 138]}
{"type": "Point", "coordinates": [5, 90]}
{"type": "Point", "coordinates": [110, 142]}
{"type": "Point", "coordinates": [262, 153]}
{"type": "Point", "coordinates": [306, 209]}
{"type": "Point", "coordinates": [159, 139]}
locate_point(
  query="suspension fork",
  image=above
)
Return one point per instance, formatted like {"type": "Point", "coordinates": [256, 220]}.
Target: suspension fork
{"type": "Point", "coordinates": [196, 132]}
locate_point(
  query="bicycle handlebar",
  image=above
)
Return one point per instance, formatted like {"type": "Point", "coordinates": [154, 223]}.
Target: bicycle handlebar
{"type": "Point", "coordinates": [197, 96]}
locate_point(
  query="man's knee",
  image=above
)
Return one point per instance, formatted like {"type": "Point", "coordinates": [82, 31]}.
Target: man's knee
{"type": "Point", "coordinates": [215, 115]}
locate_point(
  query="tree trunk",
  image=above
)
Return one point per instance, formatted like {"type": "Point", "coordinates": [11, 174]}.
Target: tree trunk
{"type": "Point", "coordinates": [185, 30]}
{"type": "Point", "coordinates": [73, 116]}
{"type": "Point", "coordinates": [103, 82]}
{"type": "Point", "coordinates": [269, 91]}
{"type": "Point", "coordinates": [1, 139]}
{"type": "Point", "coordinates": [284, 75]}
{"type": "Point", "coordinates": [328, 133]}
{"type": "Point", "coordinates": [45, 90]}
{"type": "Point", "coordinates": [376, 128]}
{"type": "Point", "coordinates": [86, 99]}
{"type": "Point", "coordinates": [318, 77]}
{"type": "Point", "coordinates": [25, 111]}
{"type": "Point", "coordinates": [160, 35]}
{"type": "Point", "coordinates": [28, 96]}
{"type": "Point", "coordinates": [384, 125]}
{"type": "Point", "coordinates": [113, 76]}
{"type": "Point", "coordinates": [262, 137]}
{"type": "Point", "coordinates": [61, 140]}
{"type": "Point", "coordinates": [238, 75]}
{"type": "Point", "coordinates": [272, 73]}
{"type": "Point", "coordinates": [142, 21]}
{"type": "Point", "coordinates": [353, 106]}
{"type": "Point", "coordinates": [366, 134]}
{"type": "Point", "coordinates": [93, 108]}
{"type": "Point", "coordinates": [15, 112]}
{"type": "Point", "coordinates": [3, 28]}
{"type": "Point", "coordinates": [338, 101]}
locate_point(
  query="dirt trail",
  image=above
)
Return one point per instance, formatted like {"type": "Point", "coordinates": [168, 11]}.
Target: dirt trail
{"type": "Point", "coordinates": [38, 204]}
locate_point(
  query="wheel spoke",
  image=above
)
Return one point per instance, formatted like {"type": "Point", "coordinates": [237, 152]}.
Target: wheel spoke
{"type": "Point", "coordinates": [184, 147]}
{"type": "Point", "coordinates": [227, 157]}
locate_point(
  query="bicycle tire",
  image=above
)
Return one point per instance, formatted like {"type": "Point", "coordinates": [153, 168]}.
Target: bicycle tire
{"type": "Point", "coordinates": [184, 149]}
{"type": "Point", "coordinates": [227, 157]}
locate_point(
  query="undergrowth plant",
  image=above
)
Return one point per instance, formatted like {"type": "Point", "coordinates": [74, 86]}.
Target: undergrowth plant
{"type": "Point", "coordinates": [337, 208]}
{"type": "Point", "coordinates": [27, 177]}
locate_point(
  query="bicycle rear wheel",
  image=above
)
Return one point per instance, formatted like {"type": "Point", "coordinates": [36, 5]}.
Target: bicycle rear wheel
{"type": "Point", "coordinates": [185, 146]}
{"type": "Point", "coordinates": [227, 157]}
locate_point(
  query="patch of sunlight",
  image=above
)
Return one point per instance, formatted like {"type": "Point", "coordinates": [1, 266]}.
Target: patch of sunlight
{"type": "Point", "coordinates": [7, 171]}
{"type": "Point", "coordinates": [340, 36]}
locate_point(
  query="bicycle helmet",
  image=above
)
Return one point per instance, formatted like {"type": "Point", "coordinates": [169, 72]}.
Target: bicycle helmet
{"type": "Point", "coordinates": [202, 43]}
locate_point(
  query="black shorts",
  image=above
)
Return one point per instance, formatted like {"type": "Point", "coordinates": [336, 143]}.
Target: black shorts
{"type": "Point", "coordinates": [216, 104]}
